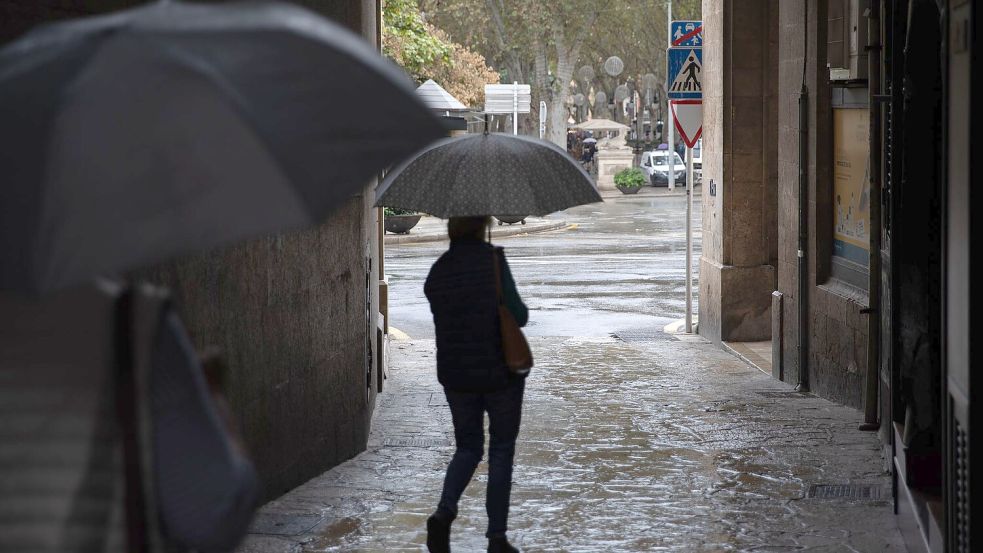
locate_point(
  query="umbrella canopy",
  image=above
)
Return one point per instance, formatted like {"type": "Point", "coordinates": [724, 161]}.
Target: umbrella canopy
{"type": "Point", "coordinates": [437, 98]}
{"type": "Point", "coordinates": [601, 125]}
{"type": "Point", "coordinates": [589, 139]}
{"type": "Point", "coordinates": [488, 174]}
{"type": "Point", "coordinates": [175, 128]}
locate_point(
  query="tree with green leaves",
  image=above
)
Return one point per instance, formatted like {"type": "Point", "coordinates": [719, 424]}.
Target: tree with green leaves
{"type": "Point", "coordinates": [426, 52]}
{"type": "Point", "coordinates": [544, 42]}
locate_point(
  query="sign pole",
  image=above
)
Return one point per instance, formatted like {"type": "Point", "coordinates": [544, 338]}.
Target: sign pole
{"type": "Point", "coordinates": [689, 240]}
{"type": "Point", "coordinates": [515, 107]}
{"type": "Point", "coordinates": [542, 119]}
{"type": "Point", "coordinates": [672, 130]}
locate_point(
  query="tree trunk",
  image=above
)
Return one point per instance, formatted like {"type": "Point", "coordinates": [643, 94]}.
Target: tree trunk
{"type": "Point", "coordinates": [566, 60]}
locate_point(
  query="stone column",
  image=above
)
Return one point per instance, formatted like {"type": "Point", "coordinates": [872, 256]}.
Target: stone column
{"type": "Point", "coordinates": [740, 83]}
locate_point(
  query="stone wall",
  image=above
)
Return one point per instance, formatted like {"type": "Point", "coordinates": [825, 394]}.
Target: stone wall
{"type": "Point", "coordinates": [295, 314]}
{"type": "Point", "coordinates": [737, 267]}
{"type": "Point", "coordinates": [753, 74]}
{"type": "Point", "coordinates": [837, 329]}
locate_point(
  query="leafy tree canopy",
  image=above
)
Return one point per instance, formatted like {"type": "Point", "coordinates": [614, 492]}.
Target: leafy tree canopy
{"type": "Point", "coordinates": [426, 52]}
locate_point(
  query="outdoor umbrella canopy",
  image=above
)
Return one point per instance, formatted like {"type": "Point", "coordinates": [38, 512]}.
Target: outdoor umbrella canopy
{"type": "Point", "coordinates": [600, 125]}
{"type": "Point", "coordinates": [488, 174]}
{"type": "Point", "coordinates": [175, 128]}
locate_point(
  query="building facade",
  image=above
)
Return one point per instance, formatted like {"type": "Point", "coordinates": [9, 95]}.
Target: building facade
{"type": "Point", "coordinates": [296, 315]}
{"type": "Point", "coordinates": [837, 135]}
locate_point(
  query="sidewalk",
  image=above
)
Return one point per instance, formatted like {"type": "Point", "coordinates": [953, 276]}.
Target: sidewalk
{"type": "Point", "coordinates": [433, 229]}
{"type": "Point", "coordinates": [642, 444]}
{"type": "Point", "coordinates": [647, 192]}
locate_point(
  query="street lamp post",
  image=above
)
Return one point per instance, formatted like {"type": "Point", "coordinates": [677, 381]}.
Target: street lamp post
{"type": "Point", "coordinates": [669, 117]}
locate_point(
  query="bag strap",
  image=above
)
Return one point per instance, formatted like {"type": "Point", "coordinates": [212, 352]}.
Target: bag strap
{"type": "Point", "coordinates": [127, 412]}
{"type": "Point", "coordinates": [139, 313]}
{"type": "Point", "coordinates": [498, 276]}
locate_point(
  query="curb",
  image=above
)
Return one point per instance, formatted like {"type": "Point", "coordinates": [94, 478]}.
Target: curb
{"type": "Point", "coordinates": [730, 349]}
{"type": "Point", "coordinates": [648, 191]}
{"type": "Point", "coordinates": [511, 230]}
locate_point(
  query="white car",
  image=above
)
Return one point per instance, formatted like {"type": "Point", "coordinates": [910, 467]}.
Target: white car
{"type": "Point", "coordinates": [656, 165]}
{"type": "Point", "coordinates": [698, 161]}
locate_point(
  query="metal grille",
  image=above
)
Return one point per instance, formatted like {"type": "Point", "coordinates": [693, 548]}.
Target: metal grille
{"type": "Point", "coordinates": [415, 442]}
{"type": "Point", "coordinates": [960, 453]}
{"type": "Point", "coordinates": [848, 492]}
{"type": "Point", "coordinates": [889, 162]}
{"type": "Point", "coordinates": [641, 335]}
{"type": "Point", "coordinates": [782, 394]}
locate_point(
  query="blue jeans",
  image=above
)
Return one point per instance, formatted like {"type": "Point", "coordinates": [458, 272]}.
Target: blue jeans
{"type": "Point", "coordinates": [468, 411]}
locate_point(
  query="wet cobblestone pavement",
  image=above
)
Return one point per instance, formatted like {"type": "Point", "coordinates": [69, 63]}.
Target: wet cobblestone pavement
{"type": "Point", "coordinates": [640, 445]}
{"type": "Point", "coordinates": [631, 439]}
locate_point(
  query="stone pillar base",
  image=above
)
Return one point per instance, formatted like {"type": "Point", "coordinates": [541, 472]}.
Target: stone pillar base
{"type": "Point", "coordinates": [609, 163]}
{"type": "Point", "coordinates": [735, 302]}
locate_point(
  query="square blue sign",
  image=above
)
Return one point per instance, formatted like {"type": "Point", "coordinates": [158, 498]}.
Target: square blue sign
{"type": "Point", "coordinates": [687, 33]}
{"type": "Point", "coordinates": [685, 73]}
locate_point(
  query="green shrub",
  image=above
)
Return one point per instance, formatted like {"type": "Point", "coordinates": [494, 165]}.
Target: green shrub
{"type": "Point", "coordinates": [630, 178]}
{"type": "Point", "coordinates": [391, 211]}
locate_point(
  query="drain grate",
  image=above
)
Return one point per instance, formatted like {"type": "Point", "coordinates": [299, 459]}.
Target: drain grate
{"type": "Point", "coordinates": [641, 335]}
{"type": "Point", "coordinates": [849, 492]}
{"type": "Point", "coordinates": [781, 394]}
{"type": "Point", "coordinates": [415, 442]}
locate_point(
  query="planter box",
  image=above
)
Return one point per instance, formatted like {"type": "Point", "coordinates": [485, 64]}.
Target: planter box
{"type": "Point", "coordinates": [401, 224]}
{"type": "Point", "coordinates": [628, 189]}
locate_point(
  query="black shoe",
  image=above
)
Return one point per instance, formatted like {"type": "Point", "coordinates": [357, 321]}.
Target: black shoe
{"type": "Point", "coordinates": [500, 545]}
{"type": "Point", "coordinates": [438, 535]}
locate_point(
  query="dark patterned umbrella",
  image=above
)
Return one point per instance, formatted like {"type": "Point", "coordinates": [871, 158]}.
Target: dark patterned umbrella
{"type": "Point", "coordinates": [488, 174]}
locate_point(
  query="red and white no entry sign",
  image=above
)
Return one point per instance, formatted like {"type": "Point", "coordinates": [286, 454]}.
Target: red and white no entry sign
{"type": "Point", "coordinates": [688, 117]}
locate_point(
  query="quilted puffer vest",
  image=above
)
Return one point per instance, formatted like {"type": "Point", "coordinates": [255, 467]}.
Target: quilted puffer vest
{"type": "Point", "coordinates": [461, 290]}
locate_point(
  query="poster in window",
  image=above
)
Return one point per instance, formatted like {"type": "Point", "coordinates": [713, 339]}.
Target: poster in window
{"type": "Point", "coordinates": [851, 193]}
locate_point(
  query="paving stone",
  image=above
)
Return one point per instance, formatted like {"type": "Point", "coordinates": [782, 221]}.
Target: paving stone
{"type": "Point", "coordinates": [625, 446]}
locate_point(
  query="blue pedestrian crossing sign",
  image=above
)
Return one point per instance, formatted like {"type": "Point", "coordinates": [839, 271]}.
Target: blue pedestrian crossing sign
{"type": "Point", "coordinates": [685, 73]}
{"type": "Point", "coordinates": [687, 33]}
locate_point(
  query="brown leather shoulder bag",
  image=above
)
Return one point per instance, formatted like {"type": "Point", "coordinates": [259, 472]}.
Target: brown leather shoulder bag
{"type": "Point", "coordinates": [518, 356]}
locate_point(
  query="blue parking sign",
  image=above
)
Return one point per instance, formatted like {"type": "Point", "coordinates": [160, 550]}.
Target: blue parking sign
{"type": "Point", "coordinates": [685, 73]}
{"type": "Point", "coordinates": [687, 33]}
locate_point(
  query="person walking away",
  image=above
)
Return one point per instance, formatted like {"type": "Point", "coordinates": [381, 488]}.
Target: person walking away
{"type": "Point", "coordinates": [461, 288]}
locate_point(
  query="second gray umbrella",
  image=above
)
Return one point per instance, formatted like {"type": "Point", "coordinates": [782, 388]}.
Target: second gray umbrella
{"type": "Point", "coordinates": [174, 128]}
{"type": "Point", "coordinates": [488, 174]}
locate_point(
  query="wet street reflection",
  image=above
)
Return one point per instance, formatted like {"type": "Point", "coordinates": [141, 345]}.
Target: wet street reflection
{"type": "Point", "coordinates": [632, 439]}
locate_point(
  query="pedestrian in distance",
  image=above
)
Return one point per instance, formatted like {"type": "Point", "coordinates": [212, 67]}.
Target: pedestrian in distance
{"type": "Point", "coordinates": [463, 290]}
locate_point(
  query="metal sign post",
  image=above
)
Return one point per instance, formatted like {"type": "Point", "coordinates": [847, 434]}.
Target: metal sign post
{"type": "Point", "coordinates": [684, 66]}
{"type": "Point", "coordinates": [542, 119]}
{"type": "Point", "coordinates": [515, 107]}
{"type": "Point", "coordinates": [689, 240]}
{"type": "Point", "coordinates": [670, 139]}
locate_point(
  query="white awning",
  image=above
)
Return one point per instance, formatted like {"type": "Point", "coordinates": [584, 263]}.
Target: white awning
{"type": "Point", "coordinates": [437, 98]}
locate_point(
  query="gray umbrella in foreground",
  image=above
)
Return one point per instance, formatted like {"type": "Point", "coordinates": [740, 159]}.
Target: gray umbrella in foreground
{"type": "Point", "coordinates": [174, 128]}
{"type": "Point", "coordinates": [488, 174]}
